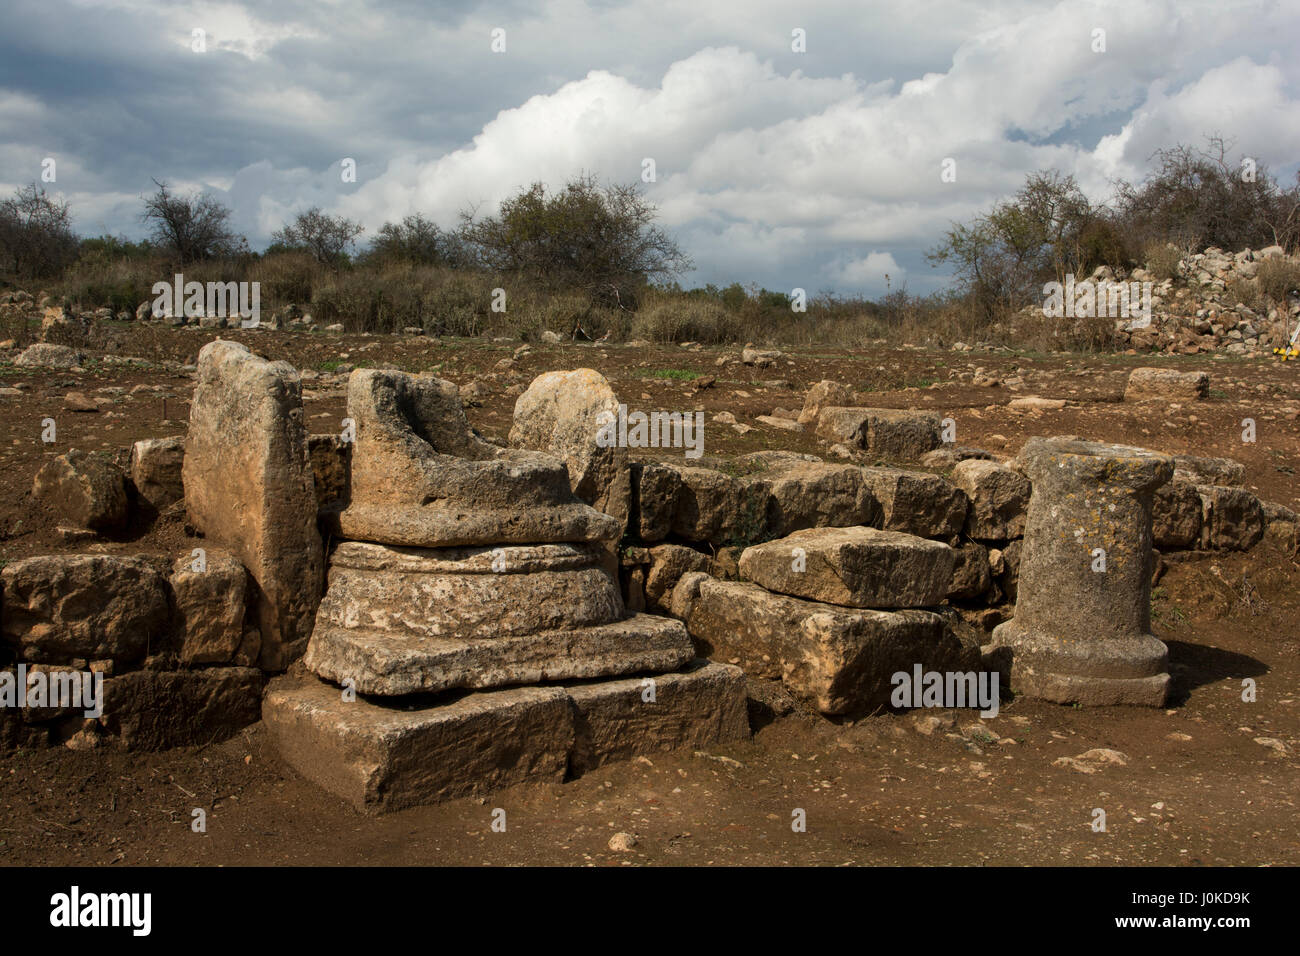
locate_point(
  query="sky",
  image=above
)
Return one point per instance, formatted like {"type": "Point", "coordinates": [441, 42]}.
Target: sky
{"type": "Point", "coordinates": [794, 145]}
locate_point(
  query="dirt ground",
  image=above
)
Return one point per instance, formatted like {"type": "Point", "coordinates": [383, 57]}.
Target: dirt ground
{"type": "Point", "coordinates": [1197, 788]}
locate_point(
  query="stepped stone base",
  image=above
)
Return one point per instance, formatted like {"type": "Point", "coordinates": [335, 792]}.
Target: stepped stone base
{"type": "Point", "coordinates": [1127, 670]}
{"type": "Point", "coordinates": [383, 757]}
{"type": "Point", "coordinates": [391, 663]}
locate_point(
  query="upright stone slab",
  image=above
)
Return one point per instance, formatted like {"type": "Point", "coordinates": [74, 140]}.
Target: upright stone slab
{"type": "Point", "coordinates": [248, 485]}
{"type": "Point", "coordinates": [562, 413]}
{"type": "Point", "coordinates": [1081, 634]}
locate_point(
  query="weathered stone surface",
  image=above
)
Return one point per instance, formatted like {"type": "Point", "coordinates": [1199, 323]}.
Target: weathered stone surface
{"type": "Point", "coordinates": [1281, 526]}
{"type": "Point", "coordinates": [917, 502]}
{"type": "Point", "coordinates": [883, 433]}
{"type": "Point", "coordinates": [822, 395]}
{"type": "Point", "coordinates": [468, 592]}
{"type": "Point", "coordinates": [715, 507]}
{"type": "Point", "coordinates": [657, 488]}
{"type": "Point", "coordinates": [668, 562]}
{"type": "Point", "coordinates": [155, 710]}
{"type": "Point", "coordinates": [210, 607]}
{"type": "Point", "coordinates": [61, 607]}
{"type": "Point", "coordinates": [970, 574]}
{"type": "Point", "coordinates": [388, 663]}
{"type": "Point", "coordinates": [999, 497]}
{"type": "Point", "coordinates": [156, 470]}
{"type": "Point", "coordinates": [1081, 635]}
{"type": "Point", "coordinates": [1004, 565]}
{"type": "Point", "coordinates": [949, 455]}
{"type": "Point", "coordinates": [1166, 384]}
{"type": "Point", "coordinates": [421, 477]}
{"type": "Point", "coordinates": [562, 413]}
{"type": "Point", "coordinates": [1200, 470]}
{"type": "Point", "coordinates": [84, 488]}
{"type": "Point", "coordinates": [331, 466]}
{"type": "Point", "coordinates": [1176, 515]}
{"type": "Point", "coordinates": [47, 355]}
{"type": "Point", "coordinates": [1232, 518]}
{"type": "Point", "coordinates": [815, 495]}
{"type": "Point", "coordinates": [839, 659]}
{"type": "Point", "coordinates": [248, 485]}
{"type": "Point", "coordinates": [702, 706]}
{"type": "Point", "coordinates": [383, 758]}
{"type": "Point", "coordinates": [854, 567]}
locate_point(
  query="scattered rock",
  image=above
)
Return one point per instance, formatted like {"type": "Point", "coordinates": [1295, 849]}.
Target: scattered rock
{"type": "Point", "coordinates": [86, 488]}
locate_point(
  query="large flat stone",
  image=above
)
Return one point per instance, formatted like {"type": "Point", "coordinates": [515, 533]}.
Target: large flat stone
{"type": "Point", "coordinates": [390, 663]}
{"type": "Point", "coordinates": [855, 567]}
{"type": "Point", "coordinates": [839, 659]}
{"type": "Point", "coordinates": [1166, 384]}
{"type": "Point", "coordinates": [617, 720]}
{"type": "Point", "coordinates": [890, 434]}
{"type": "Point", "coordinates": [249, 485]}
{"type": "Point", "coordinates": [1203, 470]}
{"type": "Point", "coordinates": [388, 757]}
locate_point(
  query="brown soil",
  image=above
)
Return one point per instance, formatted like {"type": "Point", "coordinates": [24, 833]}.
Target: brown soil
{"type": "Point", "coordinates": [1197, 787]}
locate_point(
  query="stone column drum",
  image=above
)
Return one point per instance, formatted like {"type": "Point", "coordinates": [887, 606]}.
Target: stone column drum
{"type": "Point", "coordinates": [1081, 634]}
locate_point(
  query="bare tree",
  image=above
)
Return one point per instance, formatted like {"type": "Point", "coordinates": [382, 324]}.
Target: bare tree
{"type": "Point", "coordinates": [36, 237]}
{"type": "Point", "coordinates": [191, 227]}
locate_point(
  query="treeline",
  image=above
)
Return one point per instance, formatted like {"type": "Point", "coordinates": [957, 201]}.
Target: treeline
{"type": "Point", "coordinates": [588, 259]}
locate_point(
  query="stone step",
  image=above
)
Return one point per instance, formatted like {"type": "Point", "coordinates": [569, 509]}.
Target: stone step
{"type": "Point", "coordinates": [384, 757]}
{"type": "Point", "coordinates": [392, 663]}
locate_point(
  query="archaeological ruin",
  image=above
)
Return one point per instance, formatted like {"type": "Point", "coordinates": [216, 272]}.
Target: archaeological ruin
{"type": "Point", "coordinates": [416, 613]}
